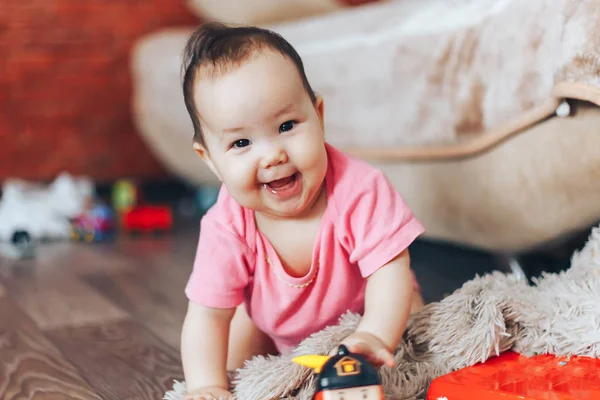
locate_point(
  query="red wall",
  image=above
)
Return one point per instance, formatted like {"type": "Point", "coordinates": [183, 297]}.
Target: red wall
{"type": "Point", "coordinates": [65, 85]}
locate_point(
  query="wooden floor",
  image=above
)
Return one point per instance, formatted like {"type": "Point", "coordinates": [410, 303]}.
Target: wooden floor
{"type": "Point", "coordinates": [103, 321]}
{"type": "Point", "coordinates": [94, 321]}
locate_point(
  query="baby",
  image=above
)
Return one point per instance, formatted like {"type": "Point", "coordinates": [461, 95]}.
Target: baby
{"type": "Point", "coordinates": [300, 233]}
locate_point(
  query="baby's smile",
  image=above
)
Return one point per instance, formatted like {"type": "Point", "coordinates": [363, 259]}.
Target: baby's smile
{"type": "Point", "coordinates": [285, 187]}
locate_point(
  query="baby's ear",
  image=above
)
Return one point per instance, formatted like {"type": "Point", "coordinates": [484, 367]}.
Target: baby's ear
{"type": "Point", "coordinates": [202, 151]}
{"type": "Point", "coordinates": [319, 106]}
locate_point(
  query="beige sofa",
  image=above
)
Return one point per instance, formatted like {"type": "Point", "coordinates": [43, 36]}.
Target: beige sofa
{"type": "Point", "coordinates": [457, 102]}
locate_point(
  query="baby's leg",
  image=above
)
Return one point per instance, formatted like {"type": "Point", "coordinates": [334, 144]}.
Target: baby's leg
{"type": "Point", "coordinates": [246, 340]}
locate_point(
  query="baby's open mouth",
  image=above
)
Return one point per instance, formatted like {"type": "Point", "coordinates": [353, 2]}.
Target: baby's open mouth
{"type": "Point", "coordinates": [283, 184]}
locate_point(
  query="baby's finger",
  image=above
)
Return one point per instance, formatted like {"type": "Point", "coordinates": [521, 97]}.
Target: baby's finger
{"type": "Point", "coordinates": [353, 346]}
{"type": "Point", "coordinates": [359, 347]}
{"type": "Point", "coordinates": [386, 357]}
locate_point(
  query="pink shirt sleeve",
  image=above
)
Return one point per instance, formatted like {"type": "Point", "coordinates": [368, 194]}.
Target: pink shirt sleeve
{"type": "Point", "coordinates": [220, 274]}
{"type": "Point", "coordinates": [377, 225]}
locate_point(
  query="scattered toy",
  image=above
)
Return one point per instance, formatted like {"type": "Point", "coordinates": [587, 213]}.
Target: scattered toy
{"type": "Point", "coordinates": [20, 246]}
{"type": "Point", "coordinates": [43, 211]}
{"type": "Point", "coordinates": [147, 219]}
{"type": "Point", "coordinates": [346, 376]}
{"type": "Point", "coordinates": [514, 376]}
{"type": "Point", "coordinates": [124, 195]}
{"type": "Point", "coordinates": [95, 223]}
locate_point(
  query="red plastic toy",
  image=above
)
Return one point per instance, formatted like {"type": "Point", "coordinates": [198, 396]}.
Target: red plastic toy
{"type": "Point", "coordinates": [147, 218]}
{"type": "Point", "coordinates": [512, 376]}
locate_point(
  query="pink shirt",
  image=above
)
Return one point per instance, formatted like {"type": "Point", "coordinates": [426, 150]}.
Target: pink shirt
{"type": "Point", "coordinates": [366, 224]}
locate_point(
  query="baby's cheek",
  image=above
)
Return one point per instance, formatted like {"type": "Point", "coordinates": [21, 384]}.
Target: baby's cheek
{"type": "Point", "coordinates": [239, 178]}
{"type": "Point", "coordinates": [318, 161]}
{"type": "Point", "coordinates": [313, 156]}
{"type": "Point", "coordinates": [245, 179]}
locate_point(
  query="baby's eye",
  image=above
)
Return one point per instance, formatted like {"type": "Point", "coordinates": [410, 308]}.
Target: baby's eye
{"type": "Point", "coordinates": [241, 143]}
{"type": "Point", "coordinates": [286, 126]}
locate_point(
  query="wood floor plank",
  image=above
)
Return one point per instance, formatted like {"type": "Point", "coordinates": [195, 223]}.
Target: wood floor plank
{"type": "Point", "coordinates": [60, 300]}
{"type": "Point", "coordinates": [120, 360]}
{"type": "Point", "coordinates": [150, 297]}
{"type": "Point", "coordinates": [153, 293]}
{"type": "Point", "coordinates": [98, 257]}
{"type": "Point", "coordinates": [165, 252]}
{"type": "Point", "coordinates": [76, 258]}
{"type": "Point", "coordinates": [30, 366]}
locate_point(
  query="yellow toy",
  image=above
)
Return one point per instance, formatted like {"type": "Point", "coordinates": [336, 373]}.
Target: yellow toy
{"type": "Point", "coordinates": [124, 196]}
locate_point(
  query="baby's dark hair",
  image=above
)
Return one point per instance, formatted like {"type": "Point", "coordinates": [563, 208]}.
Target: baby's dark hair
{"type": "Point", "coordinates": [221, 47]}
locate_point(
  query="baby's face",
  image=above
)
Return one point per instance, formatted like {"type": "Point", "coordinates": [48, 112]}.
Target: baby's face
{"type": "Point", "coordinates": [263, 136]}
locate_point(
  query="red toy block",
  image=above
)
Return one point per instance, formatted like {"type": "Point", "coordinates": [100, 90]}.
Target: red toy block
{"type": "Point", "coordinates": [512, 376]}
{"type": "Point", "coordinates": [147, 218]}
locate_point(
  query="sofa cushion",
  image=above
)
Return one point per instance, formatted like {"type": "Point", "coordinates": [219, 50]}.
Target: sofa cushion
{"type": "Point", "coordinates": [459, 113]}
{"type": "Point", "coordinates": [256, 12]}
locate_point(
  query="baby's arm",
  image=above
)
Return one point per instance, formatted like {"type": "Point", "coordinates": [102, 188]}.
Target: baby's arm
{"type": "Point", "coordinates": [204, 342]}
{"type": "Point", "coordinates": [388, 300]}
{"type": "Point", "coordinates": [387, 307]}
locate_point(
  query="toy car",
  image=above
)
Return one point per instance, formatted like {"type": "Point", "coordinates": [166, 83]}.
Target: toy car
{"type": "Point", "coordinates": [147, 218]}
{"type": "Point", "coordinates": [345, 376]}
{"type": "Point", "coordinates": [96, 223]}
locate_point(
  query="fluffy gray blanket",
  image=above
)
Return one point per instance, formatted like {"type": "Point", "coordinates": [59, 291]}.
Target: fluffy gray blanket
{"type": "Point", "coordinates": [559, 314]}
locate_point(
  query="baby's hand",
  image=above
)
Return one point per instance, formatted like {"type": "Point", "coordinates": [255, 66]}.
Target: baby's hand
{"type": "Point", "coordinates": [209, 393]}
{"type": "Point", "coordinates": [370, 347]}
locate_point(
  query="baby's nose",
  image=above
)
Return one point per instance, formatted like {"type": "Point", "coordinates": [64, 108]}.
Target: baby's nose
{"type": "Point", "coordinates": [274, 157]}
